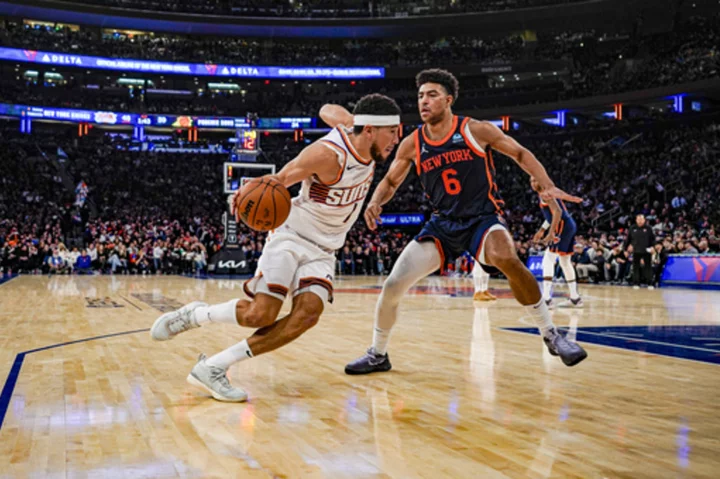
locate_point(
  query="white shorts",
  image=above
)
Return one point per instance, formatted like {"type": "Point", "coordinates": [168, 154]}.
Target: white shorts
{"type": "Point", "coordinates": [291, 264]}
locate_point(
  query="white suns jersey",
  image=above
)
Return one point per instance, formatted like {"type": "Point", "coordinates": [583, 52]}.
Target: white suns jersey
{"type": "Point", "coordinates": [324, 213]}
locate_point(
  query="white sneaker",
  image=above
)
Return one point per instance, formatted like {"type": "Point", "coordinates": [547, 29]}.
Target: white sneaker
{"type": "Point", "coordinates": [572, 303]}
{"type": "Point", "coordinates": [214, 380]}
{"type": "Point", "coordinates": [175, 322]}
{"type": "Point", "coordinates": [651, 288]}
{"type": "Point", "coordinates": [636, 287]}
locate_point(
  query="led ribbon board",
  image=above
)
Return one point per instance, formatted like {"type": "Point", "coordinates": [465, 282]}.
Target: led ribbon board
{"type": "Point", "coordinates": [195, 69]}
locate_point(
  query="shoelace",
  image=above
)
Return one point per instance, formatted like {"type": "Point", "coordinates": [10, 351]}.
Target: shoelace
{"type": "Point", "coordinates": [373, 357]}
{"type": "Point", "coordinates": [178, 324]}
{"type": "Point", "coordinates": [218, 374]}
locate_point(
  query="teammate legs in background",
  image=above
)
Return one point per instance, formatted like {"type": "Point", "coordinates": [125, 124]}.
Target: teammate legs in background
{"type": "Point", "coordinates": [548, 268]}
{"type": "Point", "coordinates": [481, 280]}
{"type": "Point", "coordinates": [568, 270]}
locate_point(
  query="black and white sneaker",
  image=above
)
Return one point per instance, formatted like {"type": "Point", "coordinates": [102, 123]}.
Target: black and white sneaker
{"type": "Point", "coordinates": [371, 362]}
{"type": "Point", "coordinates": [570, 352]}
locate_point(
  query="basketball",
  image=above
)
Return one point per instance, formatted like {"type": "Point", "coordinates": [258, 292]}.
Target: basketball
{"type": "Point", "coordinates": [263, 204]}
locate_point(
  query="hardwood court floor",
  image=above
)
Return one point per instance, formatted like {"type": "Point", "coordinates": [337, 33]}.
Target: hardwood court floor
{"type": "Point", "coordinates": [466, 398]}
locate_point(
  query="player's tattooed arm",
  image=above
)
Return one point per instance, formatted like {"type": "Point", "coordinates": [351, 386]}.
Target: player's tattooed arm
{"type": "Point", "coordinates": [485, 133]}
{"type": "Point", "coordinates": [336, 115]}
{"type": "Point", "coordinates": [398, 171]}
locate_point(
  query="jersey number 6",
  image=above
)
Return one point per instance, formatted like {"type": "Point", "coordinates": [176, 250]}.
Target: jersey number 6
{"type": "Point", "coordinates": [452, 185]}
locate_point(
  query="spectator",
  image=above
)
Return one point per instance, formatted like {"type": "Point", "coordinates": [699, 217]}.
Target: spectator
{"type": "Point", "coordinates": [642, 239]}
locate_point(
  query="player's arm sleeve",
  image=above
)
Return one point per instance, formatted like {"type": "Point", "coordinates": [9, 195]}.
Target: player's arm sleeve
{"type": "Point", "coordinates": [316, 159]}
{"type": "Point", "coordinates": [336, 115]}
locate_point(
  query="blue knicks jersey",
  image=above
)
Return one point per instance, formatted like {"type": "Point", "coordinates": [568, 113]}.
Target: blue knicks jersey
{"type": "Point", "coordinates": [547, 212]}
{"type": "Point", "coordinates": [457, 173]}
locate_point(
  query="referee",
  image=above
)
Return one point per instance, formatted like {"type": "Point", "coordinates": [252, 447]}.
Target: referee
{"type": "Point", "coordinates": [642, 239]}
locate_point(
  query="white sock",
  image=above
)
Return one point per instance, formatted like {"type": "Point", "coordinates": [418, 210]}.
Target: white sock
{"type": "Point", "coordinates": [541, 315]}
{"type": "Point", "coordinates": [548, 267]}
{"type": "Point", "coordinates": [569, 273]}
{"type": "Point", "coordinates": [480, 278]}
{"type": "Point", "coordinates": [233, 354]}
{"type": "Point", "coordinates": [218, 313]}
{"type": "Point", "coordinates": [380, 339]}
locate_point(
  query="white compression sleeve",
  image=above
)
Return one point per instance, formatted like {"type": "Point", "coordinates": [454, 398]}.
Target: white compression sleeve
{"type": "Point", "coordinates": [417, 261]}
{"type": "Point", "coordinates": [548, 266]}
{"type": "Point", "coordinates": [480, 278]}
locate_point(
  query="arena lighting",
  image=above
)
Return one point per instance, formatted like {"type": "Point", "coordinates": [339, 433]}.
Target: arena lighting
{"type": "Point", "coordinates": [678, 102]}
{"type": "Point", "coordinates": [558, 120]}
{"type": "Point", "coordinates": [194, 69]}
{"type": "Point", "coordinates": [618, 111]}
{"type": "Point", "coordinates": [505, 123]}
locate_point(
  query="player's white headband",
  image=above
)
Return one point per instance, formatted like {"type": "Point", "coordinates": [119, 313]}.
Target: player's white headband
{"type": "Point", "coordinates": [376, 120]}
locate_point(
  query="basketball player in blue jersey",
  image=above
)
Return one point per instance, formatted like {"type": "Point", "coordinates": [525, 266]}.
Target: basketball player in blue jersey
{"type": "Point", "coordinates": [560, 241]}
{"type": "Point", "coordinates": [452, 156]}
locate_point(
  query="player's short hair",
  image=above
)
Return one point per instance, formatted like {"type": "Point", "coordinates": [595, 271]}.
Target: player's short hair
{"type": "Point", "coordinates": [441, 77]}
{"type": "Point", "coordinates": [374, 104]}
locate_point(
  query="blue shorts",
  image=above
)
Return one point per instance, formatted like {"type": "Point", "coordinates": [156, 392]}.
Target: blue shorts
{"type": "Point", "coordinates": [564, 238]}
{"type": "Point", "coordinates": [453, 237]}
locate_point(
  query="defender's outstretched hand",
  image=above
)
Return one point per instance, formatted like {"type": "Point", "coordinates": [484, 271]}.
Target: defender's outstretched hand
{"type": "Point", "coordinates": [559, 194]}
{"type": "Point", "coordinates": [372, 215]}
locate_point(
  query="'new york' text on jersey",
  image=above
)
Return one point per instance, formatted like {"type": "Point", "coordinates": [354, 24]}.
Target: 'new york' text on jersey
{"type": "Point", "coordinates": [457, 173]}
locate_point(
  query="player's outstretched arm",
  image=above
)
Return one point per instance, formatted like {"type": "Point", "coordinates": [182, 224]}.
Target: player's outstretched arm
{"type": "Point", "coordinates": [336, 115]}
{"type": "Point", "coordinates": [486, 133]}
{"type": "Point", "coordinates": [399, 169]}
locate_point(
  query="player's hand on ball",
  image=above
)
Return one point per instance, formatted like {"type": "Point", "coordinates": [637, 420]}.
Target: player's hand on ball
{"type": "Point", "coordinates": [372, 215]}
{"type": "Point", "coordinates": [558, 194]}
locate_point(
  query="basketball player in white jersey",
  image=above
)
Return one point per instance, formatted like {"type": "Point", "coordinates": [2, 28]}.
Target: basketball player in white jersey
{"type": "Point", "coordinates": [299, 257]}
{"type": "Point", "coordinates": [480, 281]}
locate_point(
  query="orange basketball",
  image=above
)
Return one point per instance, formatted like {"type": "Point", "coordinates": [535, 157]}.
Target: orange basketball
{"type": "Point", "coordinates": [263, 204]}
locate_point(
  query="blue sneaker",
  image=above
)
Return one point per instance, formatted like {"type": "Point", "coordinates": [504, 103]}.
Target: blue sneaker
{"type": "Point", "coordinates": [371, 362]}
{"type": "Point", "coordinates": [571, 353]}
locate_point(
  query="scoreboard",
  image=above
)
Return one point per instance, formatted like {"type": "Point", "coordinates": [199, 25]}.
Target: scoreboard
{"type": "Point", "coordinates": [248, 142]}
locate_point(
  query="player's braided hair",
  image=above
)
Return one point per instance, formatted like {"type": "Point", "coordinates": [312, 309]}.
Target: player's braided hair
{"type": "Point", "coordinates": [441, 77]}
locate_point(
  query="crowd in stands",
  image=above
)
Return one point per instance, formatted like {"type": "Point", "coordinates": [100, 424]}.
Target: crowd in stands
{"type": "Point", "coordinates": [254, 51]}
{"type": "Point", "coordinates": [596, 64]}
{"type": "Point", "coordinates": [325, 8]}
{"type": "Point", "coordinates": [158, 213]}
